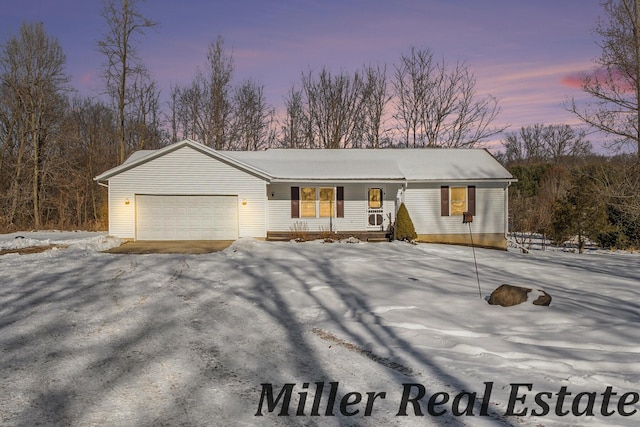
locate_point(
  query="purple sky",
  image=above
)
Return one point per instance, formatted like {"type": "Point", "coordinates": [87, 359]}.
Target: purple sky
{"type": "Point", "coordinates": [527, 53]}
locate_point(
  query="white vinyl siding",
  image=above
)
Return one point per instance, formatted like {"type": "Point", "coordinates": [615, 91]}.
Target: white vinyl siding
{"type": "Point", "coordinates": [186, 171]}
{"type": "Point", "coordinates": [355, 206]}
{"type": "Point", "coordinates": [423, 203]}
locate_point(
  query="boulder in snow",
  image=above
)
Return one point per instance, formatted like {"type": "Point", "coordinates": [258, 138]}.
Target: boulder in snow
{"type": "Point", "coordinates": [508, 295]}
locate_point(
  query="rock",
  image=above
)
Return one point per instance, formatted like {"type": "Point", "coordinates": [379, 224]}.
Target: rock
{"type": "Point", "coordinates": [508, 295]}
{"type": "Point", "coordinates": [543, 298]}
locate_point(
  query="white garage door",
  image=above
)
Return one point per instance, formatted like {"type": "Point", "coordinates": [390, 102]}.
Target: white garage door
{"type": "Point", "coordinates": [186, 217]}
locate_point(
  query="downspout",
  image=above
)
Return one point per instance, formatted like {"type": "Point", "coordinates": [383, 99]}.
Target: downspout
{"type": "Point", "coordinates": [267, 206]}
{"type": "Point", "coordinates": [506, 211]}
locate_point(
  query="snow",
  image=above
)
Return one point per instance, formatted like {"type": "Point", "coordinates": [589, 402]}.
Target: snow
{"type": "Point", "coordinates": [86, 240]}
{"type": "Point", "coordinates": [426, 164]}
{"type": "Point", "coordinates": [91, 338]}
{"type": "Point", "coordinates": [387, 164]}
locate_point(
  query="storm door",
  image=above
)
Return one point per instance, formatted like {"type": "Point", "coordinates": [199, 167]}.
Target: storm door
{"type": "Point", "coordinates": [375, 214]}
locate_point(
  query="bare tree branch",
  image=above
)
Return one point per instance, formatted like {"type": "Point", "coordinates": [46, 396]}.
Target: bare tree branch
{"type": "Point", "coordinates": [124, 22]}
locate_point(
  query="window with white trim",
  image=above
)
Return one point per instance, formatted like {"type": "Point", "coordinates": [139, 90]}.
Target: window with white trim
{"type": "Point", "coordinates": [307, 202]}
{"type": "Point", "coordinates": [457, 200]}
{"type": "Point", "coordinates": [317, 202]}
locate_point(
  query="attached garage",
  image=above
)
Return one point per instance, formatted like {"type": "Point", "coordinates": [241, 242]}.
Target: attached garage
{"type": "Point", "coordinates": [186, 217]}
{"type": "Point", "coordinates": [185, 191]}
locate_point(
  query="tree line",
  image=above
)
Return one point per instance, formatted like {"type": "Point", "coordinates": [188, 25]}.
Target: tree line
{"type": "Point", "coordinates": [53, 141]}
{"type": "Point", "coordinates": [563, 190]}
{"type": "Point", "coordinates": [566, 193]}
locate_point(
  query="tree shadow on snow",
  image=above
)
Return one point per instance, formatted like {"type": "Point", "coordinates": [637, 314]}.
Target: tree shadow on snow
{"type": "Point", "coordinates": [88, 339]}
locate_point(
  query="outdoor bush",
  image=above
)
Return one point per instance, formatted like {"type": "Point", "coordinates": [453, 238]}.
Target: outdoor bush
{"type": "Point", "coordinates": [612, 239]}
{"type": "Point", "coordinates": [299, 231]}
{"type": "Point", "coordinates": [579, 212]}
{"type": "Point", "coordinates": [404, 226]}
{"type": "Point", "coordinates": [625, 225]}
{"type": "Point", "coordinates": [326, 234]}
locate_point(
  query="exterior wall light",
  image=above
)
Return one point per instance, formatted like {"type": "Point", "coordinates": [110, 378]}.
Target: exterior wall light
{"type": "Point", "coordinates": [126, 201]}
{"type": "Point", "coordinates": [244, 202]}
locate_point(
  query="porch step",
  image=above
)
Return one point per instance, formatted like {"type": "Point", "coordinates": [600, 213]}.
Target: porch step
{"type": "Point", "coordinates": [365, 236]}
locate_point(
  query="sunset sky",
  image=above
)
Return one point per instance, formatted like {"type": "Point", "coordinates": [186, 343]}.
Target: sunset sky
{"type": "Point", "coordinates": [529, 54]}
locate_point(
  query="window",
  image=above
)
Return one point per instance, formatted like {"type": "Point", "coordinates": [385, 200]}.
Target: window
{"type": "Point", "coordinates": [375, 198]}
{"type": "Point", "coordinates": [458, 197]}
{"type": "Point", "coordinates": [307, 202]}
{"type": "Point", "coordinates": [313, 202]}
{"type": "Point", "coordinates": [457, 200]}
{"type": "Point", "coordinates": [327, 202]}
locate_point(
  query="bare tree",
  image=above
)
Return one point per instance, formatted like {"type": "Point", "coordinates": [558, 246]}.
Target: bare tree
{"type": "Point", "coordinates": [219, 91]}
{"type": "Point", "coordinates": [190, 109]}
{"type": "Point", "coordinates": [295, 129]}
{"type": "Point", "coordinates": [253, 118]}
{"type": "Point", "coordinates": [615, 84]}
{"type": "Point", "coordinates": [13, 147]}
{"type": "Point", "coordinates": [376, 99]}
{"type": "Point", "coordinates": [524, 145]}
{"type": "Point", "coordinates": [90, 135]}
{"type": "Point", "coordinates": [334, 107]}
{"type": "Point", "coordinates": [540, 143]}
{"type": "Point", "coordinates": [564, 141]}
{"type": "Point", "coordinates": [438, 105]}
{"type": "Point", "coordinates": [173, 103]}
{"type": "Point", "coordinates": [125, 22]}
{"type": "Point", "coordinates": [143, 115]}
{"type": "Point", "coordinates": [337, 110]}
{"type": "Point", "coordinates": [203, 110]}
{"type": "Point", "coordinates": [411, 86]}
{"type": "Point", "coordinates": [33, 80]}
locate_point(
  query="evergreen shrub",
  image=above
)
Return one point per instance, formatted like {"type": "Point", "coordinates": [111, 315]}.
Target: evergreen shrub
{"type": "Point", "coordinates": [404, 226]}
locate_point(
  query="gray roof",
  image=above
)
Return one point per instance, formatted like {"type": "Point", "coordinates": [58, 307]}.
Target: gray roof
{"type": "Point", "coordinates": [421, 164]}
{"type": "Point", "coordinates": [137, 155]}
{"type": "Point", "coordinates": [428, 164]}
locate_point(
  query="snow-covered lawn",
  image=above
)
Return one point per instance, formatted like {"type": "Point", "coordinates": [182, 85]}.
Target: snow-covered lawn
{"type": "Point", "coordinates": [90, 338]}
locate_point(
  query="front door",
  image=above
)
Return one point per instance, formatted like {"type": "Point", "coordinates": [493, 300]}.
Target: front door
{"type": "Point", "coordinates": [375, 213]}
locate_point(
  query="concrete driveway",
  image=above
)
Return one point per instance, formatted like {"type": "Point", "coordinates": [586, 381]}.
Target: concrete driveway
{"type": "Point", "coordinates": [171, 247]}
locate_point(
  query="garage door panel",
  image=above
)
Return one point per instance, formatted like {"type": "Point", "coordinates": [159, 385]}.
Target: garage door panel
{"type": "Point", "coordinates": [186, 217]}
{"type": "Point", "coordinates": [155, 222]}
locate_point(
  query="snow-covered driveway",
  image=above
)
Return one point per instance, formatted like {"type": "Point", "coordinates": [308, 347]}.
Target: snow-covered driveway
{"type": "Point", "coordinates": [89, 338]}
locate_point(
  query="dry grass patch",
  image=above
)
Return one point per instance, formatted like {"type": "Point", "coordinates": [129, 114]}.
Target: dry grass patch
{"type": "Point", "coordinates": [384, 361]}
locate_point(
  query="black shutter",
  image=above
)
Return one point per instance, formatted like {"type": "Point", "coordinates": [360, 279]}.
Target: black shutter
{"type": "Point", "coordinates": [340, 202]}
{"type": "Point", "coordinates": [444, 201]}
{"type": "Point", "coordinates": [471, 204]}
{"type": "Point", "coordinates": [295, 202]}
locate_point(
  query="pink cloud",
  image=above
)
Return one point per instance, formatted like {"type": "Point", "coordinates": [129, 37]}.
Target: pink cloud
{"type": "Point", "coordinates": [602, 76]}
{"type": "Point", "coordinates": [574, 81]}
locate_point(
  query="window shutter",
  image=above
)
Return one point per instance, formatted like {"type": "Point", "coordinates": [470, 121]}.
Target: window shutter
{"type": "Point", "coordinates": [295, 202]}
{"type": "Point", "coordinates": [444, 201]}
{"type": "Point", "coordinates": [471, 203]}
{"type": "Point", "coordinates": [340, 202]}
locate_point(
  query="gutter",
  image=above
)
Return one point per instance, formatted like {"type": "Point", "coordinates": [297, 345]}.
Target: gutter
{"type": "Point", "coordinates": [462, 180]}
{"type": "Point", "coordinates": [339, 180]}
